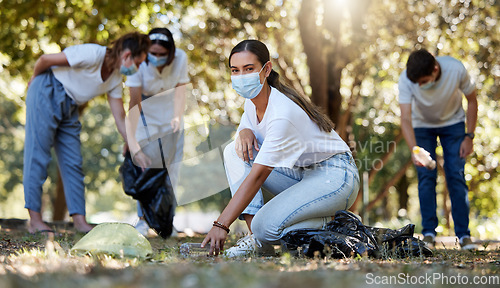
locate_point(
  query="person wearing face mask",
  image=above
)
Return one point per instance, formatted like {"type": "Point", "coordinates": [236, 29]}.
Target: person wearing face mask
{"type": "Point", "coordinates": [430, 98]}
{"type": "Point", "coordinates": [60, 83]}
{"type": "Point", "coordinates": [161, 78]}
{"type": "Point", "coordinates": [287, 146]}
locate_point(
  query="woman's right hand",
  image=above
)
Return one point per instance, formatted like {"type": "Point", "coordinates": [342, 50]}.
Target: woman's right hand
{"type": "Point", "coordinates": [245, 143]}
{"type": "Point", "coordinates": [125, 149]}
{"type": "Point", "coordinates": [216, 237]}
{"type": "Point", "coordinates": [142, 160]}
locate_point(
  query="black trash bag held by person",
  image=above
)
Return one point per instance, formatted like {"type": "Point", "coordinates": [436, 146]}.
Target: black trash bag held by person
{"type": "Point", "coordinates": [153, 189]}
{"type": "Point", "coordinates": [346, 236]}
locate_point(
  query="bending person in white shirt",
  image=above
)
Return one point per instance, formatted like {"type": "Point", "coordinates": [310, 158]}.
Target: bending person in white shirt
{"type": "Point", "coordinates": [60, 83]}
{"type": "Point", "coordinates": [286, 145]}
{"type": "Point", "coordinates": [157, 139]}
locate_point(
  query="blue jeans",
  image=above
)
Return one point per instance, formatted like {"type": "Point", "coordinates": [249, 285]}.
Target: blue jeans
{"type": "Point", "coordinates": [305, 197]}
{"type": "Point", "coordinates": [451, 138]}
{"type": "Point", "coordinates": [52, 121]}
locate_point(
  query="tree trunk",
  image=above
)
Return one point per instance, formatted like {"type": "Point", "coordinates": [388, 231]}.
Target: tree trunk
{"type": "Point", "coordinates": [386, 214]}
{"type": "Point", "coordinates": [334, 96]}
{"type": "Point", "coordinates": [402, 188]}
{"type": "Point", "coordinates": [312, 41]}
{"type": "Point", "coordinates": [446, 208]}
{"type": "Point", "coordinates": [60, 207]}
{"type": "Point", "coordinates": [327, 55]}
{"type": "Point", "coordinates": [336, 61]}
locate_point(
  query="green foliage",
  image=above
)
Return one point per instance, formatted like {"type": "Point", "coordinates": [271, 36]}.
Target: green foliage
{"type": "Point", "coordinates": [11, 145]}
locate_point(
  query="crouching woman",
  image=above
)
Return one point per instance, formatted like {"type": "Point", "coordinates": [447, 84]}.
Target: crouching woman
{"type": "Point", "coordinates": [287, 146]}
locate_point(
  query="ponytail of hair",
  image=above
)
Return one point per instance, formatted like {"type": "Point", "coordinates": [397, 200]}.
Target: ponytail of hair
{"type": "Point", "coordinates": [313, 111]}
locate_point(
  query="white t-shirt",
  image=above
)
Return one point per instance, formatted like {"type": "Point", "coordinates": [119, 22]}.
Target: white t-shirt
{"type": "Point", "coordinates": [159, 109]}
{"type": "Point", "coordinates": [153, 82]}
{"type": "Point", "coordinates": [287, 136]}
{"type": "Point", "coordinates": [441, 105]}
{"type": "Point", "coordinates": [82, 78]}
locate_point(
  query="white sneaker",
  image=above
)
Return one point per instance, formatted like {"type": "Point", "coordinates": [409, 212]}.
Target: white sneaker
{"type": "Point", "coordinates": [248, 246]}
{"type": "Point", "coordinates": [142, 227]}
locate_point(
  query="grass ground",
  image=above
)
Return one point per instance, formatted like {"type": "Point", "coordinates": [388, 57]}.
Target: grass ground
{"type": "Point", "coordinates": [31, 261]}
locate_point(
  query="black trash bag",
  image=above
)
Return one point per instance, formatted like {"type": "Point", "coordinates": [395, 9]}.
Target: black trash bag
{"type": "Point", "coordinates": [153, 189]}
{"type": "Point", "coordinates": [351, 237]}
{"type": "Point", "coordinates": [299, 238]}
{"type": "Point", "coordinates": [346, 236]}
{"type": "Point", "coordinates": [343, 237]}
{"type": "Point", "coordinates": [348, 224]}
{"type": "Point", "coordinates": [405, 246]}
{"type": "Point", "coordinates": [400, 242]}
{"type": "Point", "coordinates": [386, 234]}
{"type": "Point", "coordinates": [129, 174]}
{"type": "Point", "coordinates": [336, 245]}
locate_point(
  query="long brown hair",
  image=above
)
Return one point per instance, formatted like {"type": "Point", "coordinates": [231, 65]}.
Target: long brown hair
{"type": "Point", "coordinates": [260, 50]}
{"type": "Point", "coordinates": [136, 42]}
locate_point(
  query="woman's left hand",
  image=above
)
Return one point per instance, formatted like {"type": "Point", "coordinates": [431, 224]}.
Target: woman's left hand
{"type": "Point", "coordinates": [216, 236]}
{"type": "Point", "coordinates": [142, 160]}
{"type": "Point", "coordinates": [175, 123]}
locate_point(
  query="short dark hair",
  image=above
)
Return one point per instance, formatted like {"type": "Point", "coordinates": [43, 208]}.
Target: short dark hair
{"type": "Point", "coordinates": [169, 44]}
{"type": "Point", "coordinates": [420, 64]}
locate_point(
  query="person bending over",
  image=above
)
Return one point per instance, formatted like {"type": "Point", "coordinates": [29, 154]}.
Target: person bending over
{"type": "Point", "coordinates": [60, 83]}
{"type": "Point", "coordinates": [430, 97]}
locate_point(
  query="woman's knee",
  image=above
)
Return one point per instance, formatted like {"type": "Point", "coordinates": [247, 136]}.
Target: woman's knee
{"type": "Point", "coordinates": [352, 196]}
{"type": "Point", "coordinates": [264, 230]}
{"type": "Point", "coordinates": [229, 151]}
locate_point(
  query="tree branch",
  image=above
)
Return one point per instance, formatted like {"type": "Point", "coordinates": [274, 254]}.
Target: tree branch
{"type": "Point", "coordinates": [385, 190]}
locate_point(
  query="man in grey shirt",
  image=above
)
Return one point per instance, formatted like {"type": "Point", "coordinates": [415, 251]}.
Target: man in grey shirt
{"type": "Point", "coordinates": [430, 98]}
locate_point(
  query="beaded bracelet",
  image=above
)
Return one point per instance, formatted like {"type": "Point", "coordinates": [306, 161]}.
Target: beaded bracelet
{"type": "Point", "coordinates": [222, 226]}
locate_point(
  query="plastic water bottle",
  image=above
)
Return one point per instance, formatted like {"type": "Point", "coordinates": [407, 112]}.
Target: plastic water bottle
{"type": "Point", "coordinates": [424, 157]}
{"type": "Point", "coordinates": [194, 250]}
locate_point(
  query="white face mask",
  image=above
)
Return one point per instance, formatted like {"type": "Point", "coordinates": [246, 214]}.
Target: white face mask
{"type": "Point", "coordinates": [127, 71]}
{"type": "Point", "coordinates": [427, 85]}
{"type": "Point", "coordinates": [157, 61]}
{"type": "Point", "coordinates": [248, 85]}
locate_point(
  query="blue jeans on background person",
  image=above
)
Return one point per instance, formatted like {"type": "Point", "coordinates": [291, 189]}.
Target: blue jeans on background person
{"type": "Point", "coordinates": [451, 138]}
{"type": "Point", "coordinates": [52, 121]}
{"type": "Point", "coordinates": [304, 197]}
